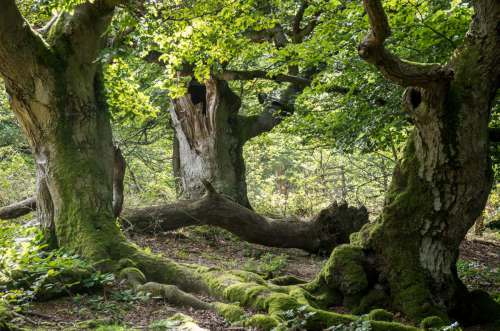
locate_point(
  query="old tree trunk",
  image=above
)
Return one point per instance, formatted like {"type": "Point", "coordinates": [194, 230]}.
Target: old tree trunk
{"type": "Point", "coordinates": [54, 93]}
{"type": "Point", "coordinates": [54, 86]}
{"type": "Point", "coordinates": [209, 143]}
{"type": "Point", "coordinates": [210, 135]}
{"type": "Point", "coordinates": [407, 258]}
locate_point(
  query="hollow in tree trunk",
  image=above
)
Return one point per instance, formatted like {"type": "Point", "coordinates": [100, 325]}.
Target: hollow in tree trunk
{"type": "Point", "coordinates": [209, 142]}
{"type": "Point", "coordinates": [210, 135]}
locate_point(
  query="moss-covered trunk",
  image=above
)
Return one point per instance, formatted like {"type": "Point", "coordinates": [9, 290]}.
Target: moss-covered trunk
{"type": "Point", "coordinates": [407, 258]}
{"type": "Point", "coordinates": [62, 112]}
{"type": "Point", "coordinates": [210, 144]}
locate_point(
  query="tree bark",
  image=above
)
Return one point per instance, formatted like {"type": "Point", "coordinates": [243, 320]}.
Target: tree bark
{"type": "Point", "coordinates": [18, 209]}
{"type": "Point", "coordinates": [209, 143]}
{"type": "Point", "coordinates": [210, 136]}
{"type": "Point", "coordinates": [331, 227]}
{"type": "Point", "coordinates": [439, 189]}
{"type": "Point", "coordinates": [55, 93]}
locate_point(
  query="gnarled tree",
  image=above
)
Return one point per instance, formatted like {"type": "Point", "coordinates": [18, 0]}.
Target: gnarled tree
{"type": "Point", "coordinates": [209, 126]}
{"type": "Point", "coordinates": [210, 135]}
{"type": "Point", "coordinates": [53, 81]}
{"type": "Point", "coordinates": [408, 256]}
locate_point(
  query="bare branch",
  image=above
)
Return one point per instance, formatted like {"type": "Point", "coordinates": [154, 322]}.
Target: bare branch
{"type": "Point", "coordinates": [275, 111]}
{"type": "Point", "coordinates": [18, 209]}
{"type": "Point", "coordinates": [403, 72]}
{"type": "Point", "coordinates": [275, 34]}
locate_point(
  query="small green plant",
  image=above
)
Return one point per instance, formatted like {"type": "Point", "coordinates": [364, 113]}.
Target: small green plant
{"type": "Point", "coordinates": [28, 270]}
{"type": "Point", "coordinates": [268, 265]}
{"type": "Point", "coordinates": [361, 324]}
{"type": "Point", "coordinates": [295, 319]}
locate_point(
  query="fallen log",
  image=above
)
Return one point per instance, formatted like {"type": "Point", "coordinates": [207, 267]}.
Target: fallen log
{"type": "Point", "coordinates": [331, 227]}
{"type": "Point", "coordinates": [18, 209]}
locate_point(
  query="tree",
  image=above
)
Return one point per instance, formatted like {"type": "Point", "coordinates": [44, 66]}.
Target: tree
{"type": "Point", "coordinates": [54, 84]}
{"type": "Point", "coordinates": [210, 129]}
{"type": "Point", "coordinates": [441, 185]}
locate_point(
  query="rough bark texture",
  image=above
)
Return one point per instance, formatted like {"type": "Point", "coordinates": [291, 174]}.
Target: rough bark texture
{"type": "Point", "coordinates": [211, 134]}
{"type": "Point", "coordinates": [407, 258]}
{"type": "Point", "coordinates": [55, 88]}
{"type": "Point", "coordinates": [118, 177]}
{"type": "Point", "coordinates": [42, 202]}
{"type": "Point", "coordinates": [331, 227]}
{"type": "Point", "coordinates": [210, 145]}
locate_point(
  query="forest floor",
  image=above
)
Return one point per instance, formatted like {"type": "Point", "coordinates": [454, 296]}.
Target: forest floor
{"type": "Point", "coordinates": [479, 267]}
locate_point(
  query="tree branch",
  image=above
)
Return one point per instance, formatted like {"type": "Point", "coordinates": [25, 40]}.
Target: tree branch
{"type": "Point", "coordinates": [18, 209]}
{"type": "Point", "coordinates": [20, 46]}
{"type": "Point", "coordinates": [275, 34]}
{"type": "Point", "coordinates": [331, 227]}
{"type": "Point", "coordinates": [403, 72]}
{"type": "Point", "coordinates": [275, 111]}
{"type": "Point", "coordinates": [261, 74]}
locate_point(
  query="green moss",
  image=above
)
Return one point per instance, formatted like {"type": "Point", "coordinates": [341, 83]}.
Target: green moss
{"type": "Point", "coordinates": [174, 295]}
{"type": "Point", "coordinates": [230, 312]}
{"type": "Point", "coordinates": [323, 319]}
{"type": "Point", "coordinates": [178, 322]}
{"type": "Point", "coordinates": [261, 322]}
{"type": "Point", "coordinates": [93, 324]}
{"type": "Point", "coordinates": [125, 263]}
{"type": "Point", "coordinates": [250, 294]}
{"type": "Point", "coordinates": [113, 328]}
{"type": "Point", "coordinates": [391, 326]}
{"type": "Point", "coordinates": [381, 315]}
{"type": "Point", "coordinates": [432, 322]}
{"type": "Point", "coordinates": [132, 276]}
{"type": "Point", "coordinates": [287, 280]}
{"type": "Point", "coordinates": [344, 270]}
{"type": "Point", "coordinates": [374, 298]}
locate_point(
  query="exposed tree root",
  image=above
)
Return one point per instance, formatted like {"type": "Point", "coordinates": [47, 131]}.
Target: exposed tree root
{"type": "Point", "coordinates": [246, 289]}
